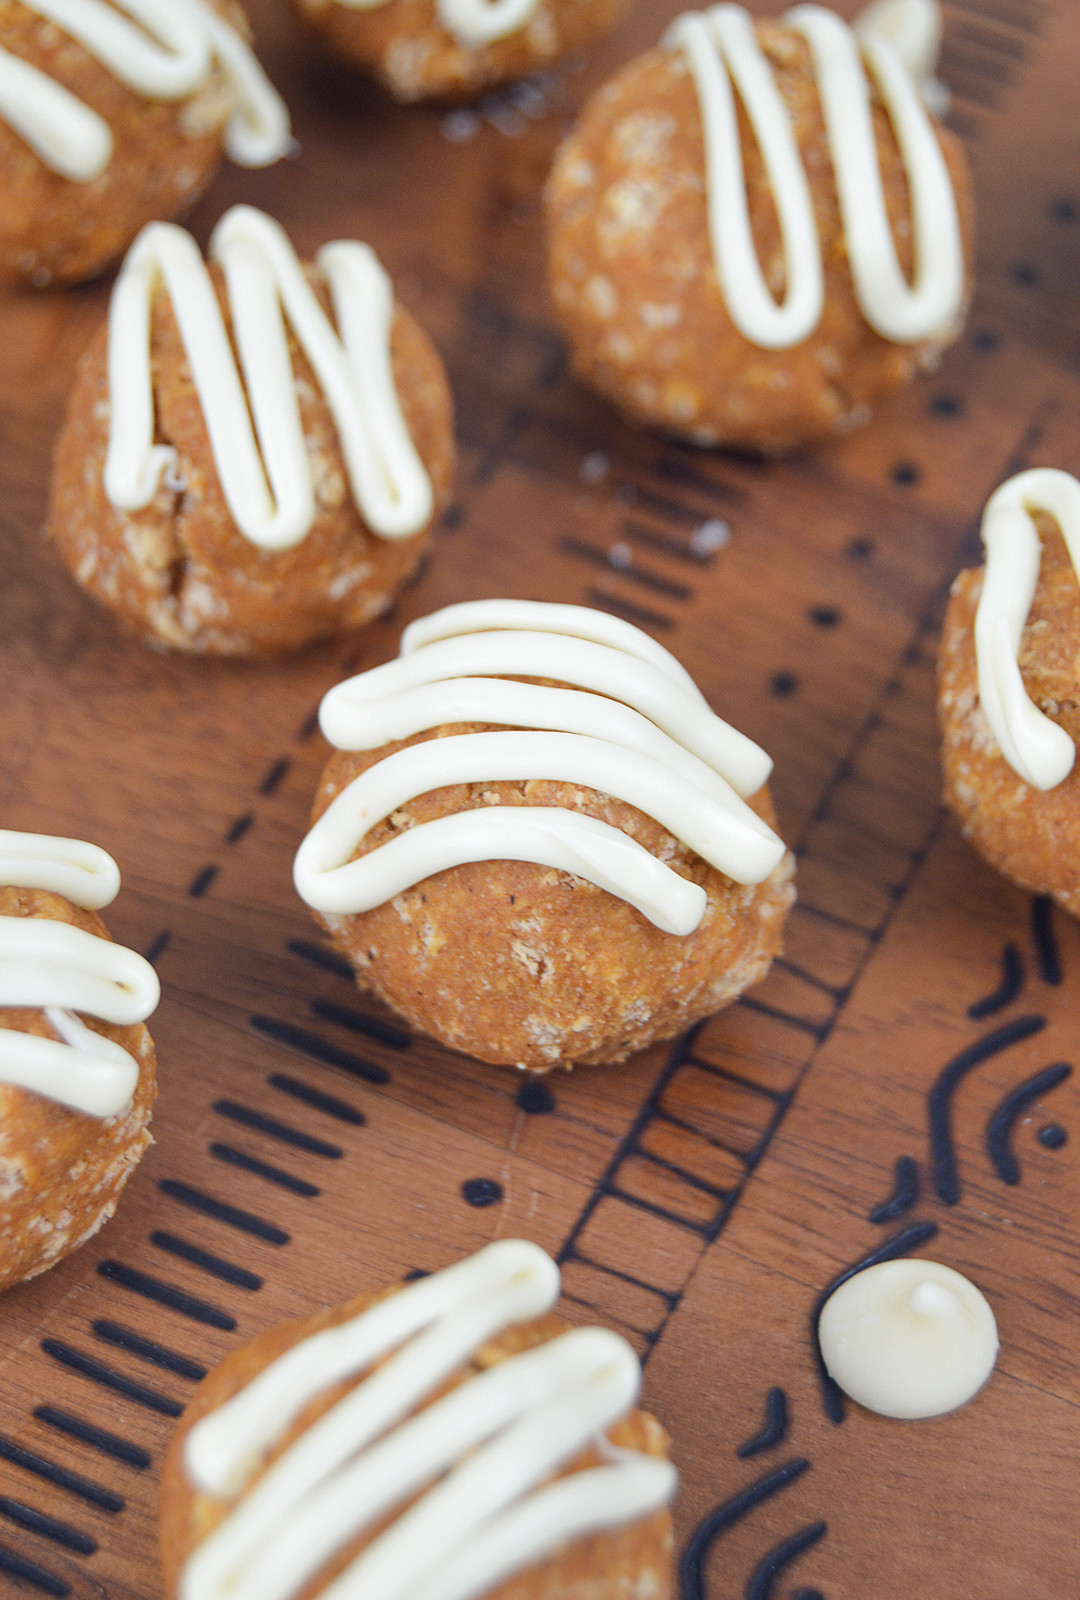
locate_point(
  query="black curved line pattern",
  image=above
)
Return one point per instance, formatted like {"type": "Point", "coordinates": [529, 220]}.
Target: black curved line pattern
{"type": "Point", "coordinates": [1000, 1126]}
{"type": "Point", "coordinates": [909, 1238]}
{"type": "Point", "coordinates": [1045, 939]}
{"type": "Point", "coordinates": [712, 1527]}
{"type": "Point", "coordinates": [1012, 982]}
{"type": "Point", "coordinates": [808, 1594]}
{"type": "Point", "coordinates": [765, 1574]}
{"type": "Point", "coordinates": [939, 1100]}
{"type": "Point", "coordinates": [904, 1195]}
{"type": "Point", "coordinates": [775, 1429]}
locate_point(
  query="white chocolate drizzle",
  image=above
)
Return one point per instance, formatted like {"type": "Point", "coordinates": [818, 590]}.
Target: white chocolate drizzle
{"type": "Point", "coordinates": [725, 60]}
{"type": "Point", "coordinates": [267, 289]}
{"type": "Point", "coordinates": [1039, 750]}
{"type": "Point", "coordinates": [160, 49]}
{"type": "Point", "coordinates": [471, 23]}
{"type": "Point", "coordinates": [62, 970]}
{"type": "Point", "coordinates": [633, 727]}
{"type": "Point", "coordinates": [475, 1464]}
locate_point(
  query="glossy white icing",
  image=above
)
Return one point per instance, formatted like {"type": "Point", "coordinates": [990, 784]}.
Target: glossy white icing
{"type": "Point", "coordinates": [471, 23]}
{"type": "Point", "coordinates": [474, 1464]}
{"type": "Point", "coordinates": [725, 60]}
{"type": "Point", "coordinates": [1039, 750]}
{"type": "Point", "coordinates": [267, 289]}
{"type": "Point", "coordinates": [633, 727]}
{"type": "Point", "coordinates": [161, 49]}
{"type": "Point", "coordinates": [61, 970]}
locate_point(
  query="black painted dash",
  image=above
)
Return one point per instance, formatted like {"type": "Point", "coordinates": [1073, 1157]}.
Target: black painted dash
{"type": "Point", "coordinates": [29, 1571]}
{"type": "Point", "coordinates": [775, 1430]}
{"type": "Point", "coordinates": [1053, 1136]}
{"type": "Point", "coordinates": [999, 1129]}
{"type": "Point", "coordinates": [1045, 939]}
{"type": "Point", "coordinates": [166, 1294]}
{"type": "Point", "coordinates": [1012, 982]}
{"type": "Point", "coordinates": [274, 775]}
{"type": "Point", "coordinates": [60, 1477]}
{"type": "Point", "coordinates": [319, 956]}
{"type": "Point", "coordinates": [761, 1584]}
{"type": "Point", "coordinates": [245, 1221]}
{"type": "Point", "coordinates": [109, 1444]}
{"type": "Point", "coordinates": [359, 1022]}
{"type": "Point", "coordinates": [712, 1527]}
{"type": "Point", "coordinates": [318, 1049]}
{"type": "Point", "coordinates": [481, 1192]}
{"type": "Point", "coordinates": [97, 1372]}
{"type": "Point", "coordinates": [904, 1195]}
{"type": "Point", "coordinates": [808, 1594]}
{"type": "Point", "coordinates": [202, 880]}
{"type": "Point", "coordinates": [327, 1103]}
{"type": "Point", "coordinates": [158, 946]}
{"type": "Point", "coordinates": [641, 616]}
{"type": "Point", "coordinates": [247, 1117]}
{"type": "Point", "coordinates": [939, 1102]}
{"type": "Point", "coordinates": [262, 1169]}
{"type": "Point", "coordinates": [147, 1349]}
{"type": "Point", "coordinates": [535, 1098]}
{"type": "Point", "coordinates": [227, 1271]}
{"type": "Point", "coordinates": [237, 829]}
{"type": "Point", "coordinates": [47, 1527]}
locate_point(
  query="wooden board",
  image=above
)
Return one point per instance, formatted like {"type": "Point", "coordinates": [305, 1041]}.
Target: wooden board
{"type": "Point", "coordinates": [702, 1197]}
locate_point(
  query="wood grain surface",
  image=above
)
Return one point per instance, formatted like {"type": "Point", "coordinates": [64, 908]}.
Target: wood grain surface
{"type": "Point", "coordinates": [703, 1196]}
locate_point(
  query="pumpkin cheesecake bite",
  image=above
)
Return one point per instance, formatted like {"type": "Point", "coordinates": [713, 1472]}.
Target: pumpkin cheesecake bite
{"type": "Point", "coordinates": [454, 49]}
{"type": "Point", "coordinates": [449, 1439]}
{"type": "Point", "coordinates": [537, 842]}
{"type": "Point", "coordinates": [255, 451]}
{"type": "Point", "coordinates": [1009, 687]}
{"type": "Point", "coordinates": [117, 112]}
{"type": "Point", "coordinates": [758, 229]}
{"type": "Point", "coordinates": [77, 1067]}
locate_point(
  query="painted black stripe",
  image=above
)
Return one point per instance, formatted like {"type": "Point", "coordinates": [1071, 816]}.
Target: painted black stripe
{"type": "Point", "coordinates": [1046, 945]}
{"type": "Point", "coordinates": [238, 829]}
{"type": "Point", "coordinates": [208, 1206]}
{"type": "Point", "coordinates": [201, 882]}
{"type": "Point", "coordinates": [60, 1477]}
{"type": "Point", "coordinates": [774, 1431]}
{"type": "Point", "coordinates": [109, 1444]}
{"type": "Point", "coordinates": [319, 956]}
{"type": "Point", "coordinates": [262, 1169]}
{"type": "Point", "coordinates": [166, 1294]}
{"type": "Point", "coordinates": [318, 1049]}
{"type": "Point", "coordinates": [999, 1129]}
{"type": "Point", "coordinates": [595, 556]}
{"type": "Point", "coordinates": [147, 1350]}
{"type": "Point", "coordinates": [329, 1103]}
{"type": "Point", "coordinates": [667, 544]}
{"type": "Point", "coordinates": [662, 504]}
{"type": "Point", "coordinates": [87, 1367]}
{"type": "Point", "coordinates": [641, 616]}
{"type": "Point", "coordinates": [905, 1192]}
{"type": "Point", "coordinates": [240, 1277]}
{"type": "Point", "coordinates": [274, 775]}
{"type": "Point", "coordinates": [31, 1573]}
{"type": "Point", "coordinates": [247, 1117]}
{"type": "Point", "coordinates": [47, 1527]}
{"type": "Point", "coordinates": [763, 1579]}
{"type": "Point", "coordinates": [692, 1564]}
{"type": "Point", "coordinates": [158, 946]}
{"type": "Point", "coordinates": [939, 1101]}
{"type": "Point", "coordinates": [1012, 981]}
{"type": "Point", "coordinates": [359, 1022]}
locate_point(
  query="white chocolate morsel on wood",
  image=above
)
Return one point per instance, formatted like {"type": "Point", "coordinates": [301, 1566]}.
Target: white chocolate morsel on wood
{"type": "Point", "coordinates": [633, 726]}
{"type": "Point", "coordinates": [465, 1480]}
{"type": "Point", "coordinates": [265, 470]}
{"type": "Point", "coordinates": [729, 66]}
{"type": "Point", "coordinates": [64, 970]}
{"type": "Point", "coordinates": [1036, 748]}
{"type": "Point", "coordinates": [471, 23]}
{"type": "Point", "coordinates": [909, 1338]}
{"type": "Point", "coordinates": [160, 49]}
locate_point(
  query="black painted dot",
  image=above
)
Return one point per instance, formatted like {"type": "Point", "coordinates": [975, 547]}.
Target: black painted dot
{"type": "Point", "coordinates": [1025, 273]}
{"type": "Point", "coordinates": [535, 1097]}
{"type": "Point", "coordinates": [1063, 210]}
{"type": "Point", "coordinates": [860, 549]}
{"type": "Point", "coordinates": [824, 616]}
{"type": "Point", "coordinates": [946, 405]}
{"type": "Point", "coordinates": [905, 473]}
{"type": "Point", "coordinates": [482, 1191]}
{"type": "Point", "coordinates": [1053, 1136]}
{"type": "Point", "coordinates": [985, 340]}
{"type": "Point", "coordinates": [783, 684]}
{"type": "Point", "coordinates": [453, 516]}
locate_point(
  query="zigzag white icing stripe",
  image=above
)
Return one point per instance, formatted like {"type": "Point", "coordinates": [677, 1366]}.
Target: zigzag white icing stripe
{"type": "Point", "coordinates": [266, 288]}
{"type": "Point", "coordinates": [637, 734]}
{"type": "Point", "coordinates": [62, 970]}
{"type": "Point", "coordinates": [478, 1458]}
{"type": "Point", "coordinates": [724, 56]}
{"type": "Point", "coordinates": [167, 51]}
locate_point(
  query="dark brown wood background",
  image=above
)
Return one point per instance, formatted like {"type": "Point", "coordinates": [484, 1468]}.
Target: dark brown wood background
{"type": "Point", "coordinates": [704, 1195]}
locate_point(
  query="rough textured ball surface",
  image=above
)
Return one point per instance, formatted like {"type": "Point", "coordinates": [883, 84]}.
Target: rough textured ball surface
{"type": "Point", "coordinates": [61, 1172]}
{"type": "Point", "coordinates": [625, 1563]}
{"type": "Point", "coordinates": [635, 286]}
{"type": "Point", "coordinates": [522, 965]}
{"type": "Point", "coordinates": [55, 231]}
{"type": "Point", "coordinates": [405, 47]}
{"type": "Point", "coordinates": [180, 573]}
{"type": "Point", "coordinates": [1031, 835]}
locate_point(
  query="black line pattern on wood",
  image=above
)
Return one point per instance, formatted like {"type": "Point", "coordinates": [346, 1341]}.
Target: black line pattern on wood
{"type": "Point", "coordinates": [209, 1206]}
{"type": "Point", "coordinates": [904, 1195]}
{"type": "Point", "coordinates": [1009, 989]}
{"type": "Point", "coordinates": [316, 1048]}
{"type": "Point", "coordinates": [108, 1444]}
{"type": "Point", "coordinates": [775, 1430]}
{"type": "Point", "coordinates": [61, 1477]}
{"type": "Point", "coordinates": [999, 1129]}
{"type": "Point", "coordinates": [262, 1169]}
{"type": "Point", "coordinates": [86, 1366]}
{"type": "Point", "coordinates": [147, 1350]}
{"type": "Point", "coordinates": [166, 1294]}
{"type": "Point", "coordinates": [247, 1117]}
{"type": "Point", "coordinates": [47, 1527]}
{"type": "Point", "coordinates": [1045, 939]}
{"type": "Point", "coordinates": [762, 1583]}
{"type": "Point", "coordinates": [29, 1572]}
{"type": "Point", "coordinates": [939, 1102]}
{"type": "Point", "coordinates": [716, 1524]}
